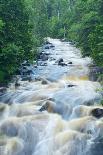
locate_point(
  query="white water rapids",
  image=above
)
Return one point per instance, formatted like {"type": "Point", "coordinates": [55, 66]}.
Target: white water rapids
{"type": "Point", "coordinates": [66, 126]}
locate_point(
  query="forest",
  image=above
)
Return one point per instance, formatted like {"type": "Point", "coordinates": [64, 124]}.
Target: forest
{"type": "Point", "coordinates": [25, 23]}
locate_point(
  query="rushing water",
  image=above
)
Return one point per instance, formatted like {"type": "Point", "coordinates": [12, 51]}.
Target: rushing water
{"type": "Point", "coordinates": [52, 115]}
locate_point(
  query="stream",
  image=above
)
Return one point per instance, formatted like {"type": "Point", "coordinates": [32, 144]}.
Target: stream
{"type": "Point", "coordinates": [57, 112]}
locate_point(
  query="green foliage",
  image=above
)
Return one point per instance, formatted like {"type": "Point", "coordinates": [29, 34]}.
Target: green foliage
{"type": "Point", "coordinates": [18, 38]}
{"type": "Point", "coordinates": [24, 24]}
{"type": "Point", "coordinates": [86, 28]}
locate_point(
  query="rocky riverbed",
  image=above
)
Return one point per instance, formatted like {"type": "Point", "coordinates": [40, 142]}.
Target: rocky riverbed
{"type": "Point", "coordinates": [52, 107]}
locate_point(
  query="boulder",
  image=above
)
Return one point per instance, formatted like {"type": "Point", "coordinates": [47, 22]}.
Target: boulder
{"type": "Point", "coordinates": [62, 64]}
{"type": "Point", "coordinates": [60, 61]}
{"type": "Point", "coordinates": [70, 63]}
{"type": "Point", "coordinates": [44, 82]}
{"type": "Point", "coordinates": [98, 113]}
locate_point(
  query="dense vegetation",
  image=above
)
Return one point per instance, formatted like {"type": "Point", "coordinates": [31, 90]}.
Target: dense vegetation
{"type": "Point", "coordinates": [24, 24]}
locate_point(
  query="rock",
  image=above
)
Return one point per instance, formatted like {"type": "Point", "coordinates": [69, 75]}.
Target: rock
{"type": "Point", "coordinates": [44, 82]}
{"type": "Point", "coordinates": [62, 64]}
{"type": "Point", "coordinates": [72, 43]}
{"type": "Point", "coordinates": [60, 60]}
{"type": "Point", "coordinates": [52, 59]}
{"type": "Point", "coordinates": [26, 78]}
{"type": "Point", "coordinates": [98, 113]}
{"type": "Point", "coordinates": [38, 78]}
{"type": "Point", "coordinates": [26, 70]}
{"type": "Point", "coordinates": [97, 70]}
{"type": "Point", "coordinates": [43, 56]}
{"type": "Point", "coordinates": [47, 42]}
{"type": "Point", "coordinates": [17, 84]}
{"type": "Point", "coordinates": [26, 63]}
{"type": "Point", "coordinates": [47, 47]}
{"type": "Point", "coordinates": [52, 46]}
{"type": "Point", "coordinates": [71, 85]}
{"type": "Point", "coordinates": [43, 64]}
{"type": "Point", "coordinates": [44, 107]}
{"type": "Point", "coordinates": [2, 89]}
{"type": "Point", "coordinates": [48, 106]}
{"type": "Point", "coordinates": [70, 62]}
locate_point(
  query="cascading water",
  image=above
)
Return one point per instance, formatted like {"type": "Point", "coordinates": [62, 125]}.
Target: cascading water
{"type": "Point", "coordinates": [57, 113]}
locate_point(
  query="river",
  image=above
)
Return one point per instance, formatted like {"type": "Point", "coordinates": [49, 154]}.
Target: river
{"type": "Point", "coordinates": [58, 112]}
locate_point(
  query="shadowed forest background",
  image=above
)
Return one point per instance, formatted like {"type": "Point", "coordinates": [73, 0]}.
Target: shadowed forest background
{"type": "Point", "coordinates": [25, 23]}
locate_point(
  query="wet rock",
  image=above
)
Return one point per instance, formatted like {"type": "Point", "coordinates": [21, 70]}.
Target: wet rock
{"type": "Point", "coordinates": [38, 78]}
{"type": "Point", "coordinates": [72, 42]}
{"type": "Point", "coordinates": [52, 46]}
{"type": "Point", "coordinates": [95, 71]}
{"type": "Point", "coordinates": [35, 66]}
{"type": "Point", "coordinates": [2, 89]}
{"type": "Point", "coordinates": [48, 106]}
{"type": "Point", "coordinates": [47, 42]}
{"type": "Point", "coordinates": [44, 82]}
{"type": "Point", "coordinates": [98, 113]}
{"type": "Point", "coordinates": [44, 107]}
{"type": "Point", "coordinates": [60, 61]}
{"type": "Point", "coordinates": [43, 56]}
{"type": "Point", "coordinates": [26, 63]}
{"type": "Point", "coordinates": [63, 64]}
{"type": "Point", "coordinates": [52, 59]}
{"type": "Point", "coordinates": [17, 84]}
{"type": "Point", "coordinates": [71, 85]}
{"type": "Point", "coordinates": [26, 78]}
{"type": "Point", "coordinates": [70, 63]}
{"type": "Point", "coordinates": [43, 64]}
{"type": "Point", "coordinates": [47, 47]}
{"type": "Point", "coordinates": [26, 71]}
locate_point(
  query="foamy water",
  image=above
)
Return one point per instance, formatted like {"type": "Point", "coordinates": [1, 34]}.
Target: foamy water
{"type": "Point", "coordinates": [66, 126]}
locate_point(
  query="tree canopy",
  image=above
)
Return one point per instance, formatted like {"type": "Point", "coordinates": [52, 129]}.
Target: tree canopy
{"type": "Point", "coordinates": [24, 24]}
